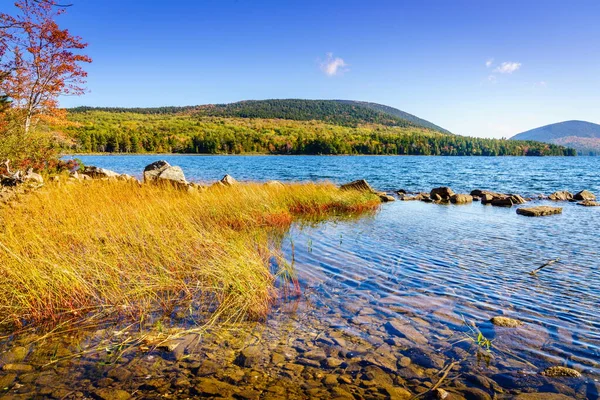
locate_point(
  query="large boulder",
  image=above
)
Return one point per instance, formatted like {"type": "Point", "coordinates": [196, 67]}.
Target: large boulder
{"type": "Point", "coordinates": [99, 173]}
{"type": "Point", "coordinates": [441, 193]}
{"type": "Point", "coordinates": [585, 195]}
{"type": "Point", "coordinates": [539, 211]}
{"type": "Point", "coordinates": [461, 199]}
{"type": "Point", "coordinates": [562, 195]}
{"type": "Point", "coordinates": [360, 185]}
{"type": "Point", "coordinates": [165, 173]}
{"type": "Point", "coordinates": [228, 180]}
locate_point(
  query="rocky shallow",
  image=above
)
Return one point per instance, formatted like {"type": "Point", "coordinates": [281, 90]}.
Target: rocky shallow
{"type": "Point", "coordinates": [311, 347]}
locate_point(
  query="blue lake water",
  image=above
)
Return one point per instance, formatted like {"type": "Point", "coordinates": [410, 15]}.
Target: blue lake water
{"type": "Point", "coordinates": [525, 175]}
{"type": "Point", "coordinates": [439, 268]}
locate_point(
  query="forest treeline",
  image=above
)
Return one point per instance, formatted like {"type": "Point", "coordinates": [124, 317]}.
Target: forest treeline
{"type": "Point", "coordinates": [126, 132]}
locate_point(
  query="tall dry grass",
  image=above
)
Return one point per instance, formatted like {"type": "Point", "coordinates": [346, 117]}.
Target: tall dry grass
{"type": "Point", "coordinates": [123, 250]}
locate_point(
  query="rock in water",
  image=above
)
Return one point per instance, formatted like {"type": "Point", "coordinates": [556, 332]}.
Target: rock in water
{"type": "Point", "coordinates": [561, 371]}
{"type": "Point", "coordinates": [111, 394]}
{"type": "Point", "coordinates": [461, 199]}
{"type": "Point", "coordinates": [443, 192]}
{"type": "Point", "coordinates": [384, 197]}
{"type": "Point", "coordinates": [585, 195]}
{"type": "Point", "coordinates": [249, 357]}
{"type": "Point", "coordinates": [589, 203]}
{"type": "Point", "coordinates": [539, 211]}
{"type": "Point", "coordinates": [506, 322]}
{"type": "Point", "coordinates": [561, 196]}
{"type": "Point", "coordinates": [228, 180]}
{"type": "Point", "coordinates": [360, 185]}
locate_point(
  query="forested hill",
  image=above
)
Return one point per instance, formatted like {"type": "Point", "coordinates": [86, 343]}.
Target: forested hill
{"type": "Point", "coordinates": [397, 113]}
{"type": "Point", "coordinates": [191, 132]}
{"type": "Point", "coordinates": [338, 112]}
{"type": "Point", "coordinates": [580, 135]}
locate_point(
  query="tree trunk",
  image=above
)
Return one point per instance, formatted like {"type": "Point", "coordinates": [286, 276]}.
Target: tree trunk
{"type": "Point", "coordinates": [28, 121]}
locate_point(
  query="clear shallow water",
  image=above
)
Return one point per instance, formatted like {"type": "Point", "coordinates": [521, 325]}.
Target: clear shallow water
{"type": "Point", "coordinates": [525, 175]}
{"type": "Point", "coordinates": [426, 267]}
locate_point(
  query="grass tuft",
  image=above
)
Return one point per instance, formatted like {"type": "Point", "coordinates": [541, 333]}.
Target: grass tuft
{"type": "Point", "coordinates": [129, 251]}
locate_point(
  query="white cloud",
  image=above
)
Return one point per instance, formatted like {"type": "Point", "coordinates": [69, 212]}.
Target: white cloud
{"type": "Point", "coordinates": [542, 84]}
{"type": "Point", "coordinates": [492, 78]}
{"type": "Point", "coordinates": [489, 62]}
{"type": "Point", "coordinates": [508, 67]}
{"type": "Point", "coordinates": [333, 65]}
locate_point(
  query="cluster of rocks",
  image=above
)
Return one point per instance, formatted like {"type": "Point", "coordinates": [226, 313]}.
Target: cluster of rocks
{"type": "Point", "coordinates": [14, 183]}
{"type": "Point", "coordinates": [157, 173]}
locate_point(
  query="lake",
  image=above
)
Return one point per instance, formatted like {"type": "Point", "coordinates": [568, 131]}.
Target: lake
{"type": "Point", "coordinates": [389, 300]}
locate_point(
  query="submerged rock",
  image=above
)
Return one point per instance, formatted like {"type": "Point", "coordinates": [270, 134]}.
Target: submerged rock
{"type": "Point", "coordinates": [561, 196]}
{"type": "Point", "coordinates": [418, 196]}
{"type": "Point", "coordinates": [589, 203]}
{"type": "Point", "coordinates": [584, 195]}
{"type": "Point", "coordinates": [539, 211]}
{"type": "Point", "coordinates": [557, 371]}
{"type": "Point", "coordinates": [111, 394]}
{"type": "Point", "coordinates": [250, 357]}
{"type": "Point", "coordinates": [461, 199]}
{"type": "Point", "coordinates": [506, 322]}
{"type": "Point", "coordinates": [405, 330]}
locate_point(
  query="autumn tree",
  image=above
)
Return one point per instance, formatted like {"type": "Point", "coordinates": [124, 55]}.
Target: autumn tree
{"type": "Point", "coordinates": [42, 60]}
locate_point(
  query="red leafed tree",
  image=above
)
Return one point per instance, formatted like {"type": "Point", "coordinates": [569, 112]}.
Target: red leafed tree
{"type": "Point", "coordinates": [42, 60]}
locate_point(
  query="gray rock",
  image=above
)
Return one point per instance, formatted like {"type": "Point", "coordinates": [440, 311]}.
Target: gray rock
{"type": "Point", "coordinates": [584, 195]}
{"type": "Point", "coordinates": [539, 211]}
{"type": "Point", "coordinates": [151, 171]}
{"type": "Point", "coordinates": [164, 173]}
{"type": "Point", "coordinates": [99, 173]}
{"type": "Point", "coordinates": [228, 180]}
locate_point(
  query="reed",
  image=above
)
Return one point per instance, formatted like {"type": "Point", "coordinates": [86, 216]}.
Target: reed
{"type": "Point", "coordinates": [130, 251]}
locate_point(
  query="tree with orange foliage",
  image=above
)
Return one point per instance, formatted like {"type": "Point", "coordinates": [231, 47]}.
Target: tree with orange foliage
{"type": "Point", "coordinates": [42, 60]}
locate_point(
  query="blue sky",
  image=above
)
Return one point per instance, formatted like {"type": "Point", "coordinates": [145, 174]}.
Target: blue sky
{"type": "Point", "coordinates": [424, 57]}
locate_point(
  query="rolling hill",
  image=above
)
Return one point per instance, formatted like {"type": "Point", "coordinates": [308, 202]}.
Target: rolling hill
{"type": "Point", "coordinates": [580, 135]}
{"type": "Point", "coordinates": [288, 126]}
{"type": "Point", "coordinates": [339, 112]}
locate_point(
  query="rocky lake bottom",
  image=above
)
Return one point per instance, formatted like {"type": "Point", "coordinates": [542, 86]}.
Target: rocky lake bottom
{"type": "Point", "coordinates": [397, 305]}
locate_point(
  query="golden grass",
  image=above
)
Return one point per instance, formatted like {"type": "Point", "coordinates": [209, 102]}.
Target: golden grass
{"type": "Point", "coordinates": [124, 250]}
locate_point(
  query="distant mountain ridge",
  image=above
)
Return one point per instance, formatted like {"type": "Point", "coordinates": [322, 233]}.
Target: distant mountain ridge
{"type": "Point", "coordinates": [340, 112]}
{"type": "Point", "coordinates": [581, 135]}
